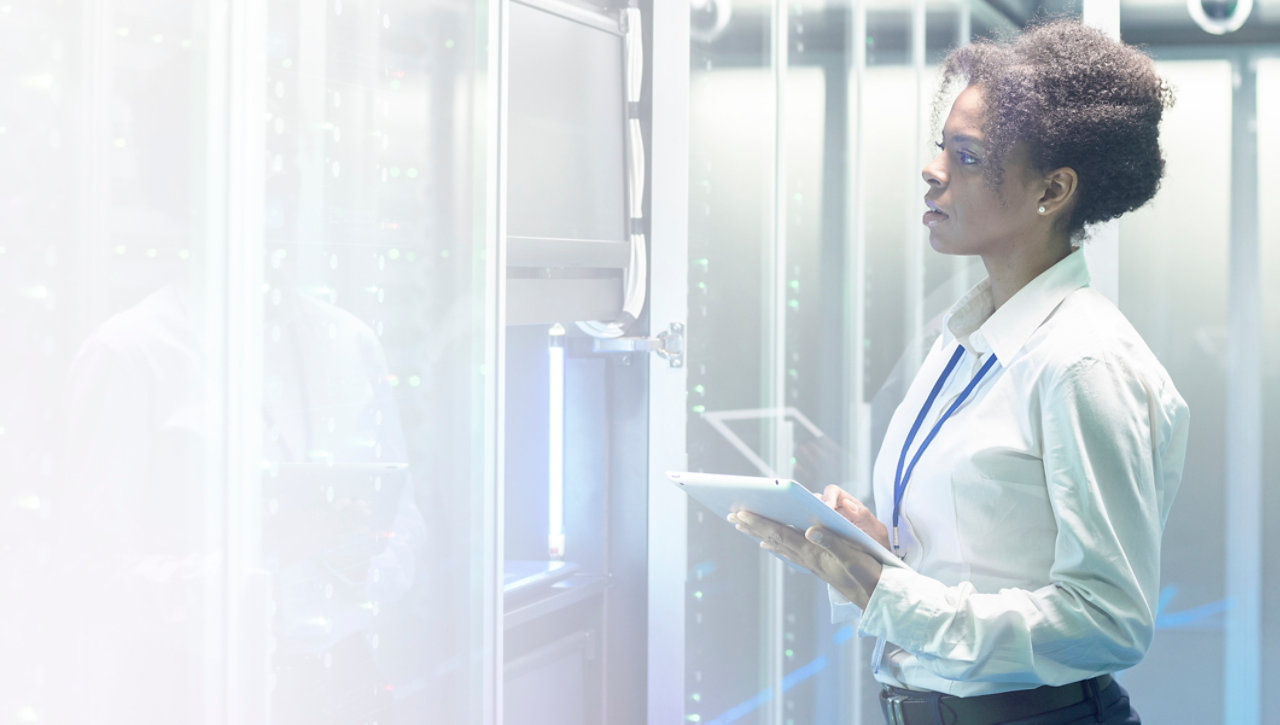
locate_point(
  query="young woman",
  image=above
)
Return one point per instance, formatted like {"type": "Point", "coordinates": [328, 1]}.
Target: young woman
{"type": "Point", "coordinates": [1026, 477]}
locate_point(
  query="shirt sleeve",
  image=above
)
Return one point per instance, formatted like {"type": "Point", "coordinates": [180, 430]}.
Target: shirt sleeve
{"type": "Point", "coordinates": [1103, 429]}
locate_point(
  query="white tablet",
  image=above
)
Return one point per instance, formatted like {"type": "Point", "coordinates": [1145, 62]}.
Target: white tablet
{"type": "Point", "coordinates": [779, 499]}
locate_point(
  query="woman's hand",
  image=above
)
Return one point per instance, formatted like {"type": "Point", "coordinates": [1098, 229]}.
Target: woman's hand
{"type": "Point", "coordinates": [852, 509]}
{"type": "Point", "coordinates": [833, 558]}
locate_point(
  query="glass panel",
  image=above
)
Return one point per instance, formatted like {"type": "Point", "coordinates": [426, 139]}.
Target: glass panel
{"type": "Point", "coordinates": [108, 582]}
{"type": "Point", "coordinates": [731, 141]}
{"type": "Point", "coordinates": [373, 352]}
{"type": "Point", "coordinates": [799, 316]}
{"type": "Point", "coordinates": [1178, 302]}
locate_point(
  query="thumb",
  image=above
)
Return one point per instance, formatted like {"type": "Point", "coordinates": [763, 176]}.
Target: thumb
{"type": "Point", "coordinates": [820, 536]}
{"type": "Point", "coordinates": [838, 545]}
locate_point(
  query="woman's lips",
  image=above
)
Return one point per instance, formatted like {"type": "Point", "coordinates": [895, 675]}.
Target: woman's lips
{"type": "Point", "coordinates": [934, 215]}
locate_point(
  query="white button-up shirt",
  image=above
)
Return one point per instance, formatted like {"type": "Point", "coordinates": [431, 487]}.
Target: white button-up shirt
{"type": "Point", "coordinates": [1032, 522]}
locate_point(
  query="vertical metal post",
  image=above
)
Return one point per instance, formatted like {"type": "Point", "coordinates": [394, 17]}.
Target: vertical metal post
{"type": "Point", "coordinates": [488, 500]}
{"type": "Point", "coordinates": [246, 590]}
{"type": "Point", "coordinates": [858, 421]}
{"type": "Point", "coordinates": [668, 408]}
{"type": "Point", "coordinates": [1243, 570]}
{"type": "Point", "coordinates": [1268, 140]}
{"type": "Point", "coordinates": [776, 352]}
{"type": "Point", "coordinates": [914, 188]}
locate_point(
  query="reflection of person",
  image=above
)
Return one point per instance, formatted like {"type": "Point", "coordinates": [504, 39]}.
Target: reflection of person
{"type": "Point", "coordinates": [1027, 475]}
{"type": "Point", "coordinates": [341, 571]}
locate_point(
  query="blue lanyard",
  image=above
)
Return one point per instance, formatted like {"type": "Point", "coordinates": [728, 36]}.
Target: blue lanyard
{"type": "Point", "coordinates": [900, 479]}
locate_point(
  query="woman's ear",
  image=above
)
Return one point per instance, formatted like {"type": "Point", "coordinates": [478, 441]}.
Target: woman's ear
{"type": "Point", "coordinates": [1059, 193]}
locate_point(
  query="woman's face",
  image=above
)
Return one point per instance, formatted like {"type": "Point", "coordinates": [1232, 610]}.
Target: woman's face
{"type": "Point", "coordinates": [966, 215]}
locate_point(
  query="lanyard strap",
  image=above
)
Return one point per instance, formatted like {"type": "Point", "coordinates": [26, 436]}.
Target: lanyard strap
{"type": "Point", "coordinates": [900, 478]}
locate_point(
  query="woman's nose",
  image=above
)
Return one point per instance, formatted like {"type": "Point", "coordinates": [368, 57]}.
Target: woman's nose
{"type": "Point", "coordinates": [933, 173]}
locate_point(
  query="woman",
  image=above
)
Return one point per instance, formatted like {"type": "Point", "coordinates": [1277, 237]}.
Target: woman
{"type": "Point", "coordinates": [1026, 477]}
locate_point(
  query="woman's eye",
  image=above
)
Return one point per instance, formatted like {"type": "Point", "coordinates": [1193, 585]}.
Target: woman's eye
{"type": "Point", "coordinates": [966, 159]}
{"type": "Point", "coordinates": [939, 145]}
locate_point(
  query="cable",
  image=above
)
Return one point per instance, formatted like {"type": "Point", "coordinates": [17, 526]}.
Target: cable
{"type": "Point", "coordinates": [636, 278]}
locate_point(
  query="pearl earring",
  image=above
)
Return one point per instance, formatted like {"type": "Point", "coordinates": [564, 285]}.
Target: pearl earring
{"type": "Point", "coordinates": [1041, 210]}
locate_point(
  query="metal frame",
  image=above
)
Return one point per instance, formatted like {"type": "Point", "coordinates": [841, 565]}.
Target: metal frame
{"type": "Point", "coordinates": [857, 423]}
{"type": "Point", "coordinates": [772, 584]}
{"type": "Point", "coordinates": [667, 515]}
{"type": "Point", "coordinates": [1241, 674]}
{"type": "Point", "coordinates": [233, 279]}
{"type": "Point", "coordinates": [491, 492]}
{"type": "Point", "coordinates": [608, 23]}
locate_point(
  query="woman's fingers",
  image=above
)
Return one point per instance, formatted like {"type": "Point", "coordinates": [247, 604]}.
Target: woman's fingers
{"type": "Point", "coordinates": [848, 568]}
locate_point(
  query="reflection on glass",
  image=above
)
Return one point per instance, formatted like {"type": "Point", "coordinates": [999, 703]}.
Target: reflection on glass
{"type": "Point", "coordinates": [372, 322]}
{"type": "Point", "coordinates": [118, 548]}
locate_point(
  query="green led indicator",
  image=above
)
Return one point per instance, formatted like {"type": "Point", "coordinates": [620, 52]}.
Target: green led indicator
{"type": "Point", "coordinates": [414, 381]}
{"type": "Point", "coordinates": [793, 304]}
{"type": "Point", "coordinates": [411, 173]}
{"type": "Point", "coordinates": [449, 43]}
{"type": "Point", "coordinates": [693, 718]}
{"type": "Point", "coordinates": [393, 254]}
{"type": "Point", "coordinates": [794, 284]}
{"type": "Point", "coordinates": [789, 652]}
{"type": "Point", "coordinates": [699, 409]}
{"type": "Point", "coordinates": [699, 389]}
{"type": "Point", "coordinates": [697, 594]}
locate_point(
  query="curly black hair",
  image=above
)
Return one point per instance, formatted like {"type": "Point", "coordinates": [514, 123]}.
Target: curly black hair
{"type": "Point", "coordinates": [1077, 98]}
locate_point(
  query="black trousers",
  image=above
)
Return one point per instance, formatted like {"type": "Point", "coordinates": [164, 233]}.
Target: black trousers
{"type": "Point", "coordinates": [1116, 710]}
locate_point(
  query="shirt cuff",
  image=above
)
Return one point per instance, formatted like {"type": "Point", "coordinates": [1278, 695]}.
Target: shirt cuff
{"type": "Point", "coordinates": [842, 610]}
{"type": "Point", "coordinates": [880, 618]}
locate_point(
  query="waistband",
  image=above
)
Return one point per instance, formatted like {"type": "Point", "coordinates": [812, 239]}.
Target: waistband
{"type": "Point", "coordinates": [914, 707]}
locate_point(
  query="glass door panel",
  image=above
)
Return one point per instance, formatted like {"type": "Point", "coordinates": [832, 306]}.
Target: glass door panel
{"type": "Point", "coordinates": [112, 588]}
{"type": "Point", "coordinates": [373, 361]}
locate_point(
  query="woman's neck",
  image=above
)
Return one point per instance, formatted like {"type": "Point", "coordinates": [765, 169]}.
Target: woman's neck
{"type": "Point", "coordinates": [1011, 271]}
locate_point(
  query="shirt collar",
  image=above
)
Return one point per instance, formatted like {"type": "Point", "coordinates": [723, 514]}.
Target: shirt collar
{"type": "Point", "coordinates": [1004, 331]}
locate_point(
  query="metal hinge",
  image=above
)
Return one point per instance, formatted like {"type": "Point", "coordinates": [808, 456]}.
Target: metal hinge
{"type": "Point", "coordinates": [669, 344]}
